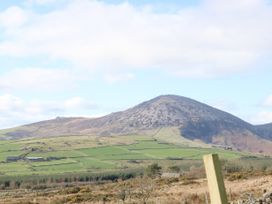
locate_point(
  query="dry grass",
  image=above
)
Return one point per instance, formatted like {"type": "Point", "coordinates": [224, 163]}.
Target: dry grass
{"type": "Point", "coordinates": [184, 190]}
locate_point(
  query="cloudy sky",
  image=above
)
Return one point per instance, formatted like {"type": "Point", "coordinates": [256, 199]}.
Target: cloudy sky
{"type": "Point", "coordinates": [89, 58]}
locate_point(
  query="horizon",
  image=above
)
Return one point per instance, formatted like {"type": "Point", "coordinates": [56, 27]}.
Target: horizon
{"type": "Point", "coordinates": [99, 116]}
{"type": "Point", "coordinates": [91, 58]}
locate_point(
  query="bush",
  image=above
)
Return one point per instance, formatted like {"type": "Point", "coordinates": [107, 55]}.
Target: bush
{"type": "Point", "coordinates": [7, 184]}
{"type": "Point", "coordinates": [232, 168]}
{"type": "Point", "coordinates": [72, 190]}
{"type": "Point", "coordinates": [153, 170]}
{"type": "Point", "coordinates": [175, 169]}
{"type": "Point", "coordinates": [17, 184]}
{"type": "Point", "coordinates": [236, 176]}
{"type": "Point", "coordinates": [39, 187]}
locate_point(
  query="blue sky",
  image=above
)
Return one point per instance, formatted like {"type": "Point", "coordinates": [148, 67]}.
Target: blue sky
{"type": "Point", "coordinates": [90, 58]}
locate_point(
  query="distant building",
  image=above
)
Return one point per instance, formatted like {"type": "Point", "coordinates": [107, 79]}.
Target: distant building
{"type": "Point", "coordinates": [223, 147]}
{"type": "Point", "coordinates": [13, 158]}
{"type": "Point", "coordinates": [228, 148]}
{"type": "Point", "coordinates": [34, 159]}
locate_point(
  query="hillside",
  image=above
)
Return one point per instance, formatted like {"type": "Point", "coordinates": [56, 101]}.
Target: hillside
{"type": "Point", "coordinates": [264, 131]}
{"type": "Point", "coordinates": [195, 120]}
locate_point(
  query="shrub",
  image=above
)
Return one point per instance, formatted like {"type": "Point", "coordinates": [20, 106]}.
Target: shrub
{"type": "Point", "coordinates": [7, 184]}
{"type": "Point", "coordinates": [72, 190]}
{"type": "Point", "coordinates": [17, 184]}
{"type": "Point", "coordinates": [175, 169]}
{"type": "Point", "coordinates": [153, 170]}
{"type": "Point", "coordinates": [232, 168]}
{"type": "Point", "coordinates": [39, 187]}
{"type": "Point", "coordinates": [236, 176]}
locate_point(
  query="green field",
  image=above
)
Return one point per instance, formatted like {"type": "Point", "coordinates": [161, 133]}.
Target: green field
{"type": "Point", "coordinates": [74, 154]}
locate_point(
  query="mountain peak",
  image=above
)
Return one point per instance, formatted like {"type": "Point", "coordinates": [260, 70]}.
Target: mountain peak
{"type": "Point", "coordinates": [178, 107]}
{"type": "Point", "coordinates": [194, 120]}
{"type": "Point", "coordinates": [169, 98]}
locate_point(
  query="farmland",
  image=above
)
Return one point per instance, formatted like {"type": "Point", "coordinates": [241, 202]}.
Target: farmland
{"type": "Point", "coordinates": [91, 154]}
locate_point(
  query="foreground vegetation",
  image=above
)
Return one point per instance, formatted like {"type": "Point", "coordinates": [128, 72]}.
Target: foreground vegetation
{"type": "Point", "coordinates": [147, 187]}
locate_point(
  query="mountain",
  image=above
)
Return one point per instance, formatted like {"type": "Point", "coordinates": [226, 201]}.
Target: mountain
{"type": "Point", "coordinates": [265, 131]}
{"type": "Point", "coordinates": [194, 120]}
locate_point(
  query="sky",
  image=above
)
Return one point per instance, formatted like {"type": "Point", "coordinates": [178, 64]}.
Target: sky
{"type": "Point", "coordinates": [90, 58]}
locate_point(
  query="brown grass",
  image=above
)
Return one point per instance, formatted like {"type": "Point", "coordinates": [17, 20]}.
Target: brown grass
{"type": "Point", "coordinates": [183, 190]}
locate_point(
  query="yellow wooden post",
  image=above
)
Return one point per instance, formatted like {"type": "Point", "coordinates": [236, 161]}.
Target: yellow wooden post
{"type": "Point", "coordinates": [215, 179]}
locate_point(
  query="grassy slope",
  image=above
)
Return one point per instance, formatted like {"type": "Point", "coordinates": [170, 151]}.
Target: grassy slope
{"type": "Point", "coordinates": [96, 154]}
{"type": "Point", "coordinates": [172, 135]}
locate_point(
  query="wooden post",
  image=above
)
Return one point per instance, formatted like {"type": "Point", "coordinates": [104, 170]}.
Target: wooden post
{"type": "Point", "coordinates": [215, 179]}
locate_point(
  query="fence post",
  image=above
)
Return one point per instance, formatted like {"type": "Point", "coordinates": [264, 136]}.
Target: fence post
{"type": "Point", "coordinates": [215, 179]}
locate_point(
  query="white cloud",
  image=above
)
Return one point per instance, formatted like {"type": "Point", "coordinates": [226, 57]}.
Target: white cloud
{"type": "Point", "coordinates": [78, 103]}
{"type": "Point", "coordinates": [262, 117]}
{"type": "Point", "coordinates": [41, 2]}
{"type": "Point", "coordinates": [12, 49]}
{"type": "Point", "coordinates": [10, 103]}
{"type": "Point", "coordinates": [114, 78]}
{"type": "Point", "coordinates": [40, 79]}
{"type": "Point", "coordinates": [17, 111]}
{"type": "Point", "coordinates": [214, 38]}
{"type": "Point", "coordinates": [13, 17]}
{"type": "Point", "coordinates": [268, 101]}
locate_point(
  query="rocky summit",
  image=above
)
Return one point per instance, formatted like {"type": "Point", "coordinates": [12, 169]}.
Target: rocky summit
{"type": "Point", "coordinates": [195, 121]}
